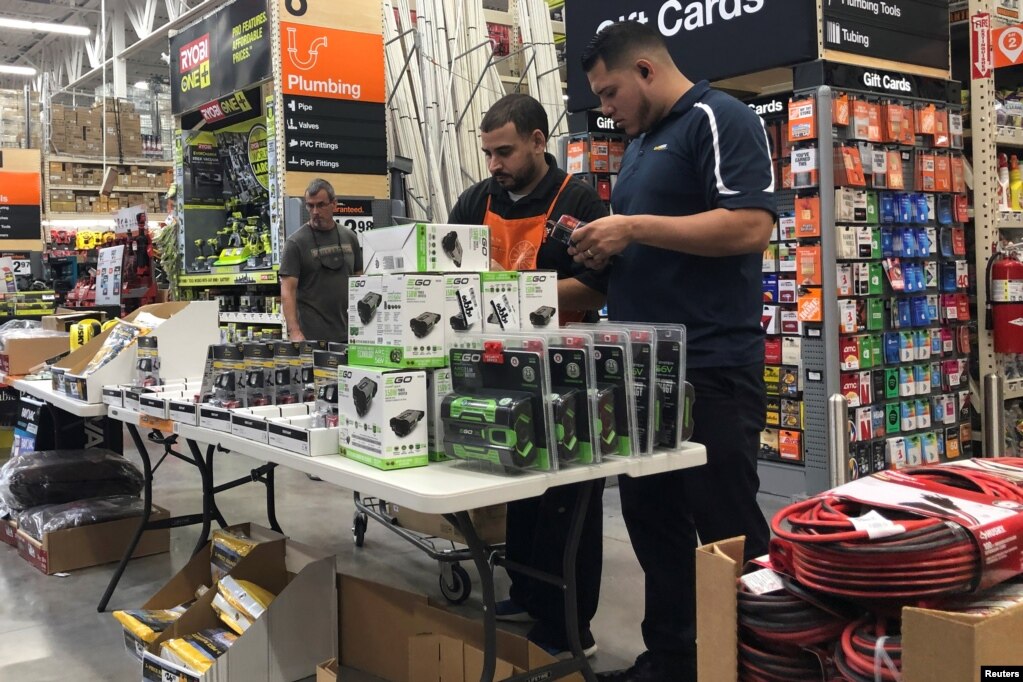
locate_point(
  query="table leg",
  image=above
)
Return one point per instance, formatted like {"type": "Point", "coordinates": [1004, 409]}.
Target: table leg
{"type": "Point", "coordinates": [271, 503]}
{"type": "Point", "coordinates": [206, 472]}
{"type": "Point", "coordinates": [478, 550]}
{"type": "Point", "coordinates": [147, 510]}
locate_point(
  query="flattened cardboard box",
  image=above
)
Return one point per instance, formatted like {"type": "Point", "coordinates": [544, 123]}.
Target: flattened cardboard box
{"type": "Point", "coordinates": [937, 646]}
{"type": "Point", "coordinates": [92, 545]}
{"type": "Point", "coordinates": [488, 521]}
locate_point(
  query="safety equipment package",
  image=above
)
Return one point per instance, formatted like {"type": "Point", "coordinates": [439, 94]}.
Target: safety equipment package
{"type": "Point", "coordinates": [147, 625]}
{"type": "Point", "coordinates": [198, 651]}
{"type": "Point", "coordinates": [228, 549]}
{"type": "Point", "coordinates": [239, 603]}
{"type": "Point", "coordinates": [123, 335]}
{"type": "Point", "coordinates": [58, 476]}
{"type": "Point", "coordinates": [37, 521]}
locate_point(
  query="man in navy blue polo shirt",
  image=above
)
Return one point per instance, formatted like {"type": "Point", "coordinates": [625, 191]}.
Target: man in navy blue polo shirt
{"type": "Point", "coordinates": [693, 211]}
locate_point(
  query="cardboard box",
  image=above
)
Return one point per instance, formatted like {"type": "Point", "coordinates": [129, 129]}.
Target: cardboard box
{"type": "Point", "coordinates": [22, 354]}
{"type": "Point", "coordinates": [383, 417]}
{"type": "Point", "coordinates": [9, 532]}
{"type": "Point", "coordinates": [92, 545]}
{"type": "Point", "coordinates": [62, 319]}
{"type": "Point", "coordinates": [411, 327]}
{"type": "Point", "coordinates": [437, 658]}
{"type": "Point", "coordinates": [365, 309]}
{"type": "Point", "coordinates": [426, 247]}
{"type": "Point", "coordinates": [382, 645]}
{"type": "Point", "coordinates": [188, 329]}
{"type": "Point", "coordinates": [327, 671]}
{"type": "Point", "coordinates": [488, 521]}
{"type": "Point", "coordinates": [937, 646]}
{"type": "Point", "coordinates": [181, 588]}
{"type": "Point", "coordinates": [273, 649]}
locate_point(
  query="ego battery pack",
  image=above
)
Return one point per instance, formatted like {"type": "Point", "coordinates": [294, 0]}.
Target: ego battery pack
{"type": "Point", "coordinates": [565, 406]}
{"type": "Point", "coordinates": [606, 415]}
{"type": "Point", "coordinates": [490, 425]}
{"type": "Point", "coordinates": [405, 423]}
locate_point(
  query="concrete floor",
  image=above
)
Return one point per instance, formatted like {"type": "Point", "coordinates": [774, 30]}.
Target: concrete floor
{"type": "Point", "coordinates": [49, 624]}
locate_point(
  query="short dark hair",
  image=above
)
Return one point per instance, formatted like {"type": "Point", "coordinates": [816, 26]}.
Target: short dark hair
{"type": "Point", "coordinates": [525, 112]}
{"type": "Point", "coordinates": [617, 42]}
{"type": "Point", "coordinates": [320, 185]}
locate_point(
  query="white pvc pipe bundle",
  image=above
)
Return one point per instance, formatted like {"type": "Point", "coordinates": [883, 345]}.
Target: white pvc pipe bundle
{"type": "Point", "coordinates": [436, 106]}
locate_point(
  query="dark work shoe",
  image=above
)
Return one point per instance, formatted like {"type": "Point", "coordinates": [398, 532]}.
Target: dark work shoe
{"type": "Point", "coordinates": [563, 652]}
{"type": "Point", "coordinates": [510, 612]}
{"type": "Point", "coordinates": [647, 668]}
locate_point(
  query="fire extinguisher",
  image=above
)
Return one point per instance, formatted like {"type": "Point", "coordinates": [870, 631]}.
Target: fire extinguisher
{"type": "Point", "coordinates": [1005, 301]}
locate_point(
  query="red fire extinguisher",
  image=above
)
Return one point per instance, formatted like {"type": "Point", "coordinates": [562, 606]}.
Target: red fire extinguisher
{"type": "Point", "coordinates": [1005, 301]}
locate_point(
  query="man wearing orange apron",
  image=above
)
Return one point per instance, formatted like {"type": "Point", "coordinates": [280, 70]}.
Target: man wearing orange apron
{"type": "Point", "coordinates": [526, 188]}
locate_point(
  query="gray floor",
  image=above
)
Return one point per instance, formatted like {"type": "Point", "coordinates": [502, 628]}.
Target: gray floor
{"type": "Point", "coordinates": [48, 623]}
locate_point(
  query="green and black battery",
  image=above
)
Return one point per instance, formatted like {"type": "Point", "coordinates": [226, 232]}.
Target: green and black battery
{"type": "Point", "coordinates": [607, 421]}
{"type": "Point", "coordinates": [496, 426]}
{"type": "Point", "coordinates": [566, 407]}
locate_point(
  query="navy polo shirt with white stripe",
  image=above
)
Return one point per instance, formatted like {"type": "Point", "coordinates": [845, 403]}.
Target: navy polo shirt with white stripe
{"type": "Point", "coordinates": [709, 152]}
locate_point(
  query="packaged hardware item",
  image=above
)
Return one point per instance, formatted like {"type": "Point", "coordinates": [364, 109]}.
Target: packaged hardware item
{"type": "Point", "coordinates": [616, 398]}
{"type": "Point", "coordinates": [463, 302]}
{"type": "Point", "coordinates": [308, 348]}
{"type": "Point", "coordinates": [228, 375]}
{"type": "Point", "coordinates": [577, 407]}
{"type": "Point", "coordinates": [239, 603]}
{"type": "Point", "coordinates": [147, 625]}
{"type": "Point", "coordinates": [198, 651]}
{"type": "Point", "coordinates": [325, 375]}
{"type": "Point", "coordinates": [425, 247]}
{"type": "Point", "coordinates": [410, 333]}
{"type": "Point", "coordinates": [500, 411]}
{"type": "Point", "coordinates": [500, 301]}
{"type": "Point", "coordinates": [673, 413]}
{"type": "Point", "coordinates": [226, 550]}
{"type": "Point", "coordinates": [381, 416]}
{"type": "Point", "coordinates": [147, 362]}
{"type": "Point", "coordinates": [121, 336]}
{"type": "Point", "coordinates": [287, 378]}
{"type": "Point", "coordinates": [562, 230]}
{"type": "Point", "coordinates": [538, 299]}
{"type": "Point", "coordinates": [259, 374]}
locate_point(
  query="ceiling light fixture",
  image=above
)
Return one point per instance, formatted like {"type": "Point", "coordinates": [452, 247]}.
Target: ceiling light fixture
{"type": "Point", "coordinates": [17, 70]}
{"type": "Point", "coordinates": [43, 27]}
{"type": "Point", "coordinates": [142, 85]}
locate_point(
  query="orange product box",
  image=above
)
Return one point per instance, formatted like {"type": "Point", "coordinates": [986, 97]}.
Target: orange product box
{"type": "Point", "coordinates": [840, 110]}
{"type": "Point", "coordinates": [873, 122]}
{"type": "Point", "coordinates": [576, 157]}
{"type": "Point", "coordinates": [808, 265]}
{"type": "Point", "coordinates": [849, 167]}
{"type": "Point", "coordinates": [802, 120]}
{"type": "Point", "coordinates": [808, 217]}
{"type": "Point", "coordinates": [925, 172]}
{"type": "Point", "coordinates": [895, 116]}
{"type": "Point", "coordinates": [860, 119]}
{"type": "Point", "coordinates": [925, 119]}
{"type": "Point", "coordinates": [790, 445]}
{"type": "Point", "coordinates": [810, 304]}
{"type": "Point", "coordinates": [895, 179]}
{"type": "Point", "coordinates": [942, 173]}
{"type": "Point", "coordinates": [600, 161]}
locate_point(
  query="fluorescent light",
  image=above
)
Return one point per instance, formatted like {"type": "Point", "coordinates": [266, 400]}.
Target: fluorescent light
{"type": "Point", "coordinates": [43, 27]}
{"type": "Point", "coordinates": [17, 70]}
{"type": "Point", "coordinates": [142, 85]}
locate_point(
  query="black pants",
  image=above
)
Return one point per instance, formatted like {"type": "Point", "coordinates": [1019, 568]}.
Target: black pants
{"type": "Point", "coordinates": [537, 531]}
{"type": "Point", "coordinates": [666, 513]}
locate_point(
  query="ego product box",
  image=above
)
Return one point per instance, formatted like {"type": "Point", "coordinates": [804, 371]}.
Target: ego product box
{"type": "Point", "coordinates": [325, 374]}
{"type": "Point", "coordinates": [259, 374]}
{"type": "Point", "coordinates": [287, 377]}
{"type": "Point", "coordinates": [438, 385]}
{"type": "Point", "coordinates": [538, 300]}
{"type": "Point", "coordinates": [147, 362]}
{"type": "Point", "coordinates": [500, 410]}
{"type": "Point", "coordinates": [382, 416]}
{"type": "Point", "coordinates": [228, 375]}
{"type": "Point", "coordinates": [463, 303]}
{"type": "Point", "coordinates": [365, 308]}
{"type": "Point", "coordinates": [422, 247]}
{"type": "Point", "coordinates": [616, 399]}
{"type": "Point", "coordinates": [500, 301]}
{"type": "Point", "coordinates": [411, 329]}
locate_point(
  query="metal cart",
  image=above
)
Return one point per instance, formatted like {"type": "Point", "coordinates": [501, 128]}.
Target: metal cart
{"type": "Point", "coordinates": [455, 583]}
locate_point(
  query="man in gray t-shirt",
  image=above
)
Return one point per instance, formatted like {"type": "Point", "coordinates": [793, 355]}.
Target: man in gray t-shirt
{"type": "Point", "coordinates": [317, 262]}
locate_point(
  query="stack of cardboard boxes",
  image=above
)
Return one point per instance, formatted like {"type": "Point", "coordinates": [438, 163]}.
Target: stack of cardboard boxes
{"type": "Point", "coordinates": [78, 131]}
{"type": "Point", "coordinates": [151, 183]}
{"type": "Point", "coordinates": [13, 115]}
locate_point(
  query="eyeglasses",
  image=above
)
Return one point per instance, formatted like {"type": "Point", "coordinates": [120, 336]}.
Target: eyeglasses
{"type": "Point", "coordinates": [318, 206]}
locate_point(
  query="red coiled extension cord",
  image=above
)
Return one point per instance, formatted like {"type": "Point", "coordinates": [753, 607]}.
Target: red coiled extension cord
{"type": "Point", "coordinates": [856, 652]}
{"type": "Point", "coordinates": [817, 543]}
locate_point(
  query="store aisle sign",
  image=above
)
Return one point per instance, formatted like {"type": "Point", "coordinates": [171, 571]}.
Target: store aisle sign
{"type": "Point", "coordinates": [772, 33]}
{"type": "Point", "coordinates": [908, 31]}
{"type": "Point", "coordinates": [1008, 46]}
{"type": "Point", "coordinates": [317, 61]}
{"type": "Point", "coordinates": [20, 197]}
{"type": "Point", "coordinates": [221, 54]}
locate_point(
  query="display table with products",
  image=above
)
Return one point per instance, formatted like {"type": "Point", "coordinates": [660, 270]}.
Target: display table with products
{"type": "Point", "coordinates": [450, 488]}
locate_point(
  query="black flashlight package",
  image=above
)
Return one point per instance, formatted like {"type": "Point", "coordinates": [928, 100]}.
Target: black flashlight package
{"type": "Point", "coordinates": [500, 414]}
{"type": "Point", "coordinates": [228, 375]}
{"type": "Point", "coordinates": [287, 377]}
{"type": "Point", "coordinates": [308, 347]}
{"type": "Point", "coordinates": [147, 362]}
{"type": "Point", "coordinates": [259, 374]}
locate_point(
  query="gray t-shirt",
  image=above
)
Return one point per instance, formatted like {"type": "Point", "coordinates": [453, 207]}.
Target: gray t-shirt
{"type": "Point", "coordinates": [322, 262]}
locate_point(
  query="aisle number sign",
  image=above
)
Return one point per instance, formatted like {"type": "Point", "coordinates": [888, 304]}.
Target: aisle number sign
{"type": "Point", "coordinates": [336, 64]}
{"type": "Point", "coordinates": [1008, 45]}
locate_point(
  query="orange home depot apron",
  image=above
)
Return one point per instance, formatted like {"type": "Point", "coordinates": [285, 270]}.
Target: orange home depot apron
{"type": "Point", "coordinates": [514, 243]}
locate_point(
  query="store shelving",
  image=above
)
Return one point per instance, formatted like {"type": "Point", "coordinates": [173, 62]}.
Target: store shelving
{"type": "Point", "coordinates": [110, 160]}
{"type": "Point", "coordinates": [228, 279]}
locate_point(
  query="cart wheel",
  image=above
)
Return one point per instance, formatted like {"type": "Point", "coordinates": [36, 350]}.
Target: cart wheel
{"type": "Point", "coordinates": [460, 587]}
{"type": "Point", "coordinates": [359, 529]}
